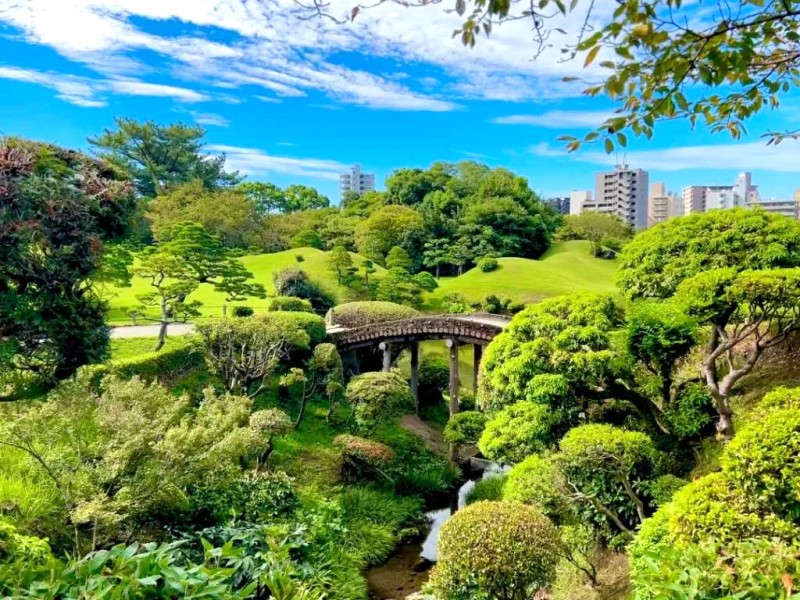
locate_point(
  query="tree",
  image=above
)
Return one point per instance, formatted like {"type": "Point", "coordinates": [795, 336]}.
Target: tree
{"type": "Point", "coordinates": [268, 197]}
{"type": "Point", "coordinates": [176, 267]}
{"type": "Point", "coordinates": [602, 466]}
{"type": "Point", "coordinates": [303, 197]}
{"type": "Point", "coordinates": [227, 214]}
{"type": "Point", "coordinates": [244, 353]}
{"type": "Point", "coordinates": [495, 550]}
{"type": "Point", "coordinates": [385, 228]}
{"type": "Point", "coordinates": [340, 262]}
{"type": "Point", "coordinates": [400, 287]}
{"type": "Point", "coordinates": [747, 259]}
{"type": "Point", "coordinates": [295, 282]}
{"type": "Point", "coordinates": [306, 238]}
{"type": "Point", "coordinates": [324, 373]}
{"type": "Point", "coordinates": [436, 254]}
{"type": "Point", "coordinates": [159, 157]}
{"type": "Point", "coordinates": [60, 212]}
{"type": "Point", "coordinates": [398, 259]}
{"type": "Point", "coordinates": [506, 228]}
{"type": "Point", "coordinates": [596, 228]}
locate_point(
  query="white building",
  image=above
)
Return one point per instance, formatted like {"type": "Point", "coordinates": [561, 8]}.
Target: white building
{"type": "Point", "coordinates": [622, 192]}
{"type": "Point", "coordinates": [787, 208]}
{"type": "Point", "coordinates": [577, 199]}
{"type": "Point", "coordinates": [663, 205]}
{"type": "Point", "coordinates": [356, 181]}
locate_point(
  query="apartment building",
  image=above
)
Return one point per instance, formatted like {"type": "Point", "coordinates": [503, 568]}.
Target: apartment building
{"type": "Point", "coordinates": [622, 192]}
{"type": "Point", "coordinates": [356, 181]}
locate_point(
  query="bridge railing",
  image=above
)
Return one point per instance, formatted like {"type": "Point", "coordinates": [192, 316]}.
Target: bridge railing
{"type": "Point", "coordinates": [421, 317]}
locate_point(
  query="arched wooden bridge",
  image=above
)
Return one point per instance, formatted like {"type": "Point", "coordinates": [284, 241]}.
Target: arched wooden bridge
{"type": "Point", "coordinates": [477, 329]}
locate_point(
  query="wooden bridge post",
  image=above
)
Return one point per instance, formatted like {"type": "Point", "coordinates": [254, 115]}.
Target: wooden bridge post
{"type": "Point", "coordinates": [415, 372]}
{"type": "Point", "coordinates": [452, 343]}
{"type": "Point", "coordinates": [387, 356]}
{"type": "Point", "coordinates": [477, 354]}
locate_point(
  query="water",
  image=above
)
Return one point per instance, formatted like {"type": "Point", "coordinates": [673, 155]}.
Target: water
{"type": "Point", "coordinates": [437, 518]}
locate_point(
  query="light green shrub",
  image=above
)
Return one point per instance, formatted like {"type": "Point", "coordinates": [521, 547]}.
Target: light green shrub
{"type": "Point", "coordinates": [290, 304]}
{"type": "Point", "coordinates": [465, 427]}
{"type": "Point", "coordinates": [488, 264]}
{"type": "Point", "coordinates": [312, 324]}
{"type": "Point", "coordinates": [516, 432]}
{"type": "Point", "coordinates": [537, 481]}
{"type": "Point", "coordinates": [489, 488]}
{"type": "Point", "coordinates": [376, 396]}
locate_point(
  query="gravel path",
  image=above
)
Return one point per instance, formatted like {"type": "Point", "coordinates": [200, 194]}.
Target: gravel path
{"type": "Point", "coordinates": [144, 331]}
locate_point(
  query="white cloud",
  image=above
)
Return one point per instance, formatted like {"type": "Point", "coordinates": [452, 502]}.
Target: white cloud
{"type": "Point", "coordinates": [558, 119]}
{"type": "Point", "coordinates": [131, 87]}
{"type": "Point", "coordinates": [272, 48]}
{"type": "Point", "coordinates": [750, 156]}
{"type": "Point", "coordinates": [210, 119]}
{"type": "Point", "coordinates": [253, 161]}
{"type": "Point", "coordinates": [269, 99]}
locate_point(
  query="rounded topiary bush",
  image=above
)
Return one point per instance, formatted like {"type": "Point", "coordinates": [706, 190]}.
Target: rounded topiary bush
{"type": "Point", "coordinates": [537, 481]}
{"type": "Point", "coordinates": [516, 432]}
{"type": "Point", "coordinates": [242, 311]}
{"type": "Point", "coordinates": [376, 396]}
{"type": "Point", "coordinates": [763, 461]}
{"type": "Point", "coordinates": [359, 314]}
{"type": "Point", "coordinates": [363, 458]}
{"type": "Point", "coordinates": [465, 427]}
{"type": "Point", "coordinates": [312, 324]}
{"type": "Point", "coordinates": [296, 282]}
{"type": "Point", "coordinates": [488, 264]}
{"type": "Point", "coordinates": [495, 550]}
{"type": "Point", "coordinates": [290, 304]}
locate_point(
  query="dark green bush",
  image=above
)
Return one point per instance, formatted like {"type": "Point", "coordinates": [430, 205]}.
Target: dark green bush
{"type": "Point", "coordinates": [691, 413]}
{"type": "Point", "coordinates": [290, 304]}
{"type": "Point", "coordinates": [495, 550]}
{"type": "Point", "coordinates": [255, 497]}
{"type": "Point", "coordinates": [465, 427]}
{"type": "Point", "coordinates": [166, 364]}
{"type": "Point", "coordinates": [306, 238]}
{"type": "Point", "coordinates": [295, 282]}
{"type": "Point", "coordinates": [663, 489]}
{"type": "Point", "coordinates": [537, 481]}
{"type": "Point", "coordinates": [434, 378]}
{"type": "Point", "coordinates": [359, 314]}
{"type": "Point", "coordinates": [488, 264]}
{"type": "Point", "coordinates": [242, 311]}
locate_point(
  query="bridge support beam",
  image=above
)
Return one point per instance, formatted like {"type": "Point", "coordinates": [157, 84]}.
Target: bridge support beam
{"type": "Point", "coordinates": [452, 344]}
{"type": "Point", "coordinates": [477, 354]}
{"type": "Point", "coordinates": [415, 372]}
{"type": "Point", "coordinates": [386, 347]}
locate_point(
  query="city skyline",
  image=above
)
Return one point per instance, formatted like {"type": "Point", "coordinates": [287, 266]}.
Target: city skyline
{"type": "Point", "coordinates": [390, 90]}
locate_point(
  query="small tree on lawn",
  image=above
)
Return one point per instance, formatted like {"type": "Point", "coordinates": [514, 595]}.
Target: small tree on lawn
{"type": "Point", "coordinates": [436, 254]}
{"type": "Point", "coordinates": [176, 267]}
{"type": "Point", "coordinates": [340, 263]}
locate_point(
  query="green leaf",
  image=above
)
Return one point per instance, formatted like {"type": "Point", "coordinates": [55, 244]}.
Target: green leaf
{"type": "Point", "coordinates": [609, 146]}
{"type": "Point", "coordinates": [591, 56]}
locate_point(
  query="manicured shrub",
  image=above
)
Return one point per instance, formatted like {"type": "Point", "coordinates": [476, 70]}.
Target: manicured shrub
{"type": "Point", "coordinates": [515, 307]}
{"type": "Point", "coordinates": [663, 489]}
{"type": "Point", "coordinates": [691, 412]}
{"type": "Point", "coordinates": [363, 458]}
{"type": "Point", "coordinates": [489, 488]}
{"type": "Point", "coordinates": [162, 365]}
{"type": "Point", "coordinates": [465, 427]}
{"type": "Point", "coordinates": [434, 378]}
{"type": "Point", "coordinates": [242, 311]}
{"type": "Point", "coordinates": [495, 550]}
{"type": "Point", "coordinates": [516, 432]}
{"type": "Point", "coordinates": [537, 481]}
{"type": "Point", "coordinates": [488, 264]}
{"type": "Point", "coordinates": [313, 325]}
{"type": "Point", "coordinates": [779, 398]}
{"type": "Point", "coordinates": [757, 568]}
{"type": "Point", "coordinates": [295, 282]}
{"type": "Point", "coordinates": [376, 396]}
{"type": "Point", "coordinates": [763, 461]}
{"type": "Point", "coordinates": [290, 304]}
{"type": "Point", "coordinates": [299, 258]}
{"type": "Point", "coordinates": [455, 303]}
{"type": "Point", "coordinates": [359, 314]}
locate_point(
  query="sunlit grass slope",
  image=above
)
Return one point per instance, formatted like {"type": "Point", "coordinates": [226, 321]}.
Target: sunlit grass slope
{"type": "Point", "coordinates": [123, 300]}
{"type": "Point", "coordinates": [566, 267]}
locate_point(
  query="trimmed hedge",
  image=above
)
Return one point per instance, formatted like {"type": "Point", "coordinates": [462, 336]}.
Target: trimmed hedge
{"type": "Point", "coordinates": [312, 324]}
{"type": "Point", "coordinates": [150, 366]}
{"type": "Point", "coordinates": [290, 304]}
{"type": "Point", "coordinates": [488, 264]}
{"type": "Point", "coordinates": [359, 314]}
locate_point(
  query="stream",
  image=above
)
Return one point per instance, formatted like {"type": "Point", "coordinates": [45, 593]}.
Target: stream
{"type": "Point", "coordinates": [406, 570]}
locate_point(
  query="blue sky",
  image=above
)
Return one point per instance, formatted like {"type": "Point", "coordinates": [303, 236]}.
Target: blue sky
{"type": "Point", "coordinates": [297, 101]}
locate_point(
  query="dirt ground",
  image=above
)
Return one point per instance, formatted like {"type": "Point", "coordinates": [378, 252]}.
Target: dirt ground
{"type": "Point", "coordinates": [396, 579]}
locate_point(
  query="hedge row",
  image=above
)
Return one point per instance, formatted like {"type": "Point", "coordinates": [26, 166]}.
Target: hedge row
{"type": "Point", "coordinates": [359, 314]}
{"type": "Point", "coordinates": [150, 366]}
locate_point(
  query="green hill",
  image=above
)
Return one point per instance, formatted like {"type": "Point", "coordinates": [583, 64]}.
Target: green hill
{"type": "Point", "coordinates": [123, 300]}
{"type": "Point", "coordinates": [564, 268]}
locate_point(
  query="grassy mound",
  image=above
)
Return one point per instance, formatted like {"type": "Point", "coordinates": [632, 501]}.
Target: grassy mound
{"type": "Point", "coordinates": [566, 267]}
{"type": "Point", "coordinates": [123, 300]}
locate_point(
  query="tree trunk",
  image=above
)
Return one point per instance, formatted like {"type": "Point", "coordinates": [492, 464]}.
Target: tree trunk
{"type": "Point", "coordinates": [438, 269]}
{"type": "Point", "coordinates": [162, 335]}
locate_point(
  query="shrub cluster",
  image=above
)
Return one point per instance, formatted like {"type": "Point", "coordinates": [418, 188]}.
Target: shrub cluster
{"type": "Point", "coordinates": [488, 264]}
{"type": "Point", "coordinates": [465, 427]}
{"type": "Point", "coordinates": [359, 314]}
{"type": "Point", "coordinates": [290, 304]}
{"type": "Point", "coordinates": [296, 282]}
{"type": "Point", "coordinates": [363, 458]}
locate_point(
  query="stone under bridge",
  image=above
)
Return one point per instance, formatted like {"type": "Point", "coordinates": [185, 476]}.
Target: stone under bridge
{"type": "Point", "coordinates": [477, 329]}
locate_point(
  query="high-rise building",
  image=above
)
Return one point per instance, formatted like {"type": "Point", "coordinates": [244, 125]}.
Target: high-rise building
{"type": "Point", "coordinates": [559, 204]}
{"type": "Point", "coordinates": [622, 192]}
{"type": "Point", "coordinates": [662, 205]}
{"type": "Point", "coordinates": [577, 199]}
{"type": "Point", "coordinates": [356, 181]}
{"type": "Point", "coordinates": [694, 199]}
{"type": "Point", "coordinates": [787, 208]}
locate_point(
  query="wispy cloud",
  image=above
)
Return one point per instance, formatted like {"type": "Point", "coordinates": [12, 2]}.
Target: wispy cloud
{"type": "Point", "coordinates": [254, 161]}
{"type": "Point", "coordinates": [751, 156]}
{"type": "Point", "coordinates": [210, 119]}
{"type": "Point", "coordinates": [558, 119]}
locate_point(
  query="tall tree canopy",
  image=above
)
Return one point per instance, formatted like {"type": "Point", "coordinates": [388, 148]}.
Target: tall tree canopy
{"type": "Point", "coordinates": [158, 157]}
{"type": "Point", "coordinates": [58, 208]}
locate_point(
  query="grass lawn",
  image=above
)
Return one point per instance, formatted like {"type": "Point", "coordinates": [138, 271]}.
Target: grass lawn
{"type": "Point", "coordinates": [123, 300]}
{"type": "Point", "coordinates": [566, 267]}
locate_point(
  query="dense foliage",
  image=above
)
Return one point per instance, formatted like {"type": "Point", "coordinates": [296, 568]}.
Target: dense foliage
{"type": "Point", "coordinates": [377, 396]}
{"type": "Point", "coordinates": [359, 314]}
{"type": "Point", "coordinates": [59, 210]}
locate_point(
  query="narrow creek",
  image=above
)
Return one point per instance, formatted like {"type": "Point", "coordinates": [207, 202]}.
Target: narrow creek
{"type": "Point", "coordinates": [407, 569]}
